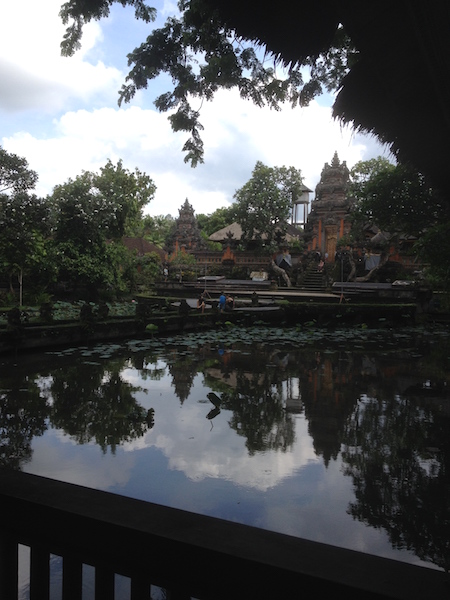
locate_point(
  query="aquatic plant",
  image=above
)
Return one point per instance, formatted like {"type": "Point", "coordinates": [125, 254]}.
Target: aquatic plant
{"type": "Point", "coordinates": [151, 328]}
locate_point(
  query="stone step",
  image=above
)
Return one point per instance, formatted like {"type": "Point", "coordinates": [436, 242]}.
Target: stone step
{"type": "Point", "coordinates": [314, 282]}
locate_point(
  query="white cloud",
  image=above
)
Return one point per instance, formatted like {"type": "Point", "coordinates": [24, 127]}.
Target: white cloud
{"type": "Point", "coordinates": [201, 451]}
{"type": "Point", "coordinates": [236, 135]}
{"type": "Point", "coordinates": [261, 471]}
{"type": "Point", "coordinates": [61, 114]}
{"type": "Point", "coordinates": [34, 75]}
{"type": "Point", "coordinates": [26, 24]}
{"type": "Point", "coordinates": [78, 468]}
{"type": "Point", "coordinates": [169, 7]}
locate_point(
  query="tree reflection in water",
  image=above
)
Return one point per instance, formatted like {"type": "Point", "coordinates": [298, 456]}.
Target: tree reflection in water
{"type": "Point", "coordinates": [23, 415]}
{"type": "Point", "coordinates": [396, 449]}
{"type": "Point", "coordinates": [91, 402]}
{"type": "Point", "coordinates": [385, 414]}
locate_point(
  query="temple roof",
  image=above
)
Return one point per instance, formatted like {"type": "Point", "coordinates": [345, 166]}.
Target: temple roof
{"type": "Point", "coordinates": [234, 232]}
{"type": "Point", "coordinates": [141, 246]}
{"type": "Point", "coordinates": [398, 87]}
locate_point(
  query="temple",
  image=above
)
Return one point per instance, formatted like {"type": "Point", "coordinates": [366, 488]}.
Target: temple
{"type": "Point", "coordinates": [310, 240]}
{"type": "Point", "coordinates": [186, 236]}
{"type": "Point", "coordinates": [329, 219]}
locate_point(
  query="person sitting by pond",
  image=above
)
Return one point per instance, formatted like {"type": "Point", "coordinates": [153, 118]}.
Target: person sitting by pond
{"type": "Point", "coordinates": [229, 303]}
{"type": "Point", "coordinates": [201, 303]}
{"type": "Point", "coordinates": [222, 302]}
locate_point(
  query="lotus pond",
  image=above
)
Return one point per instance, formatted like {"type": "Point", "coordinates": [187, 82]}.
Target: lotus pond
{"type": "Point", "coordinates": [340, 436]}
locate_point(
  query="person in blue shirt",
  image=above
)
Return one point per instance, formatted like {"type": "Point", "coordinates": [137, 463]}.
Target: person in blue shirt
{"type": "Point", "coordinates": [222, 302]}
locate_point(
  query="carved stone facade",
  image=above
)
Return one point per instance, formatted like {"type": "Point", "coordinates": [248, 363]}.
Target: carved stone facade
{"type": "Point", "coordinates": [329, 219]}
{"type": "Point", "coordinates": [186, 236]}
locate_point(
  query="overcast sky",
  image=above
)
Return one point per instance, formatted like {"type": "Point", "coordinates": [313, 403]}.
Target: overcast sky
{"type": "Point", "coordinates": [62, 115]}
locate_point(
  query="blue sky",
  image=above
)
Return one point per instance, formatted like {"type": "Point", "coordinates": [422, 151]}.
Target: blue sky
{"type": "Point", "coordinates": [62, 115]}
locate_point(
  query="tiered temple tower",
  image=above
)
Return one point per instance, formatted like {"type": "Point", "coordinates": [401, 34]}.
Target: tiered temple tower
{"type": "Point", "coordinates": [186, 236]}
{"type": "Point", "coordinates": [329, 219]}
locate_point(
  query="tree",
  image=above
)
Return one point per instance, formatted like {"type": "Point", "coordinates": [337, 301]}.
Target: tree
{"type": "Point", "coordinates": [201, 34]}
{"type": "Point", "coordinates": [400, 201]}
{"type": "Point", "coordinates": [24, 221]}
{"type": "Point", "coordinates": [397, 199]}
{"type": "Point", "coordinates": [23, 234]}
{"type": "Point", "coordinates": [92, 213]}
{"type": "Point", "coordinates": [364, 170]}
{"type": "Point", "coordinates": [118, 197]}
{"type": "Point", "coordinates": [129, 192]}
{"type": "Point", "coordinates": [220, 218]}
{"type": "Point", "coordinates": [15, 174]}
{"type": "Point", "coordinates": [83, 257]}
{"type": "Point", "coordinates": [157, 229]}
{"type": "Point", "coordinates": [433, 248]}
{"type": "Point", "coordinates": [263, 204]}
{"type": "Point", "coordinates": [349, 48]}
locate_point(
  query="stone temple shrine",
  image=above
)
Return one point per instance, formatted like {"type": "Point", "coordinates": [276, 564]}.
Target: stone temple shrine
{"type": "Point", "coordinates": [186, 236]}
{"type": "Point", "coordinates": [329, 218]}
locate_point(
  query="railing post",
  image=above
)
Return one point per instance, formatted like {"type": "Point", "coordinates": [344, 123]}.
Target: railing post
{"type": "Point", "coordinates": [177, 593]}
{"type": "Point", "coordinates": [104, 583]}
{"type": "Point", "coordinates": [72, 578]}
{"type": "Point", "coordinates": [39, 573]}
{"type": "Point", "coordinates": [9, 568]}
{"type": "Point", "coordinates": [140, 587]}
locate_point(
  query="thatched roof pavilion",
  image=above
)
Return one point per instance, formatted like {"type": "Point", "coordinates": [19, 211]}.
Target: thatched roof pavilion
{"type": "Point", "coordinates": [233, 233]}
{"type": "Point", "coordinates": [399, 86]}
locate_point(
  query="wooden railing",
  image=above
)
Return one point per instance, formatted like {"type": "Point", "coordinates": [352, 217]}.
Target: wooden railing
{"type": "Point", "coordinates": [187, 554]}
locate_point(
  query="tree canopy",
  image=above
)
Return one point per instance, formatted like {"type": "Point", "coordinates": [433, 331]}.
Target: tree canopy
{"type": "Point", "coordinates": [348, 47]}
{"type": "Point", "coordinates": [157, 229]}
{"type": "Point", "coordinates": [91, 214]}
{"type": "Point", "coordinates": [75, 235]}
{"type": "Point", "coordinates": [263, 204]}
{"type": "Point", "coordinates": [15, 174]}
{"type": "Point", "coordinates": [129, 192]}
{"type": "Point", "coordinates": [24, 218]}
{"type": "Point", "coordinates": [220, 218]}
{"type": "Point", "coordinates": [109, 203]}
{"type": "Point", "coordinates": [397, 198]}
{"type": "Point", "coordinates": [82, 221]}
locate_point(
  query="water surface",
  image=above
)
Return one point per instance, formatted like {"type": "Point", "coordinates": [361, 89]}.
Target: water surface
{"type": "Point", "coordinates": [340, 437]}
